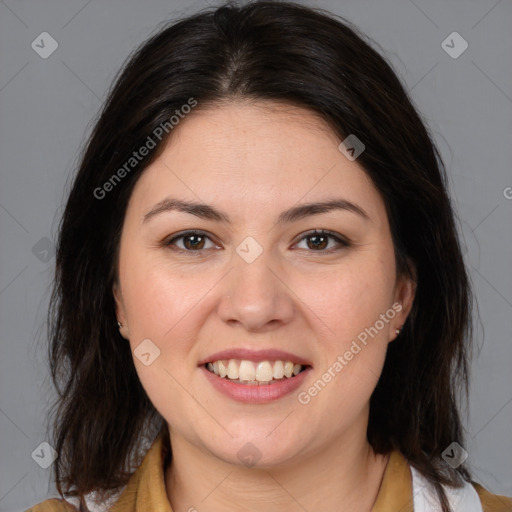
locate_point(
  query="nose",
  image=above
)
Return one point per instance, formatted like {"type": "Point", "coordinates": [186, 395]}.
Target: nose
{"type": "Point", "coordinates": [256, 295]}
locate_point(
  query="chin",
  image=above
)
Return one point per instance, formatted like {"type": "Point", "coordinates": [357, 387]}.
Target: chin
{"type": "Point", "coordinates": [258, 451]}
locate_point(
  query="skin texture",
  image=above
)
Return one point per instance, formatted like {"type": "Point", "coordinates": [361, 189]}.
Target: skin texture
{"type": "Point", "coordinates": [252, 161]}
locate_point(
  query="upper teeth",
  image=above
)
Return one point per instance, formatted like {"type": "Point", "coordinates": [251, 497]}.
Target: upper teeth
{"type": "Point", "coordinates": [263, 371]}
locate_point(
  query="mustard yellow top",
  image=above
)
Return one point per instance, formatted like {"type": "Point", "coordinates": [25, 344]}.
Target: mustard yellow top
{"type": "Point", "coordinates": [145, 491]}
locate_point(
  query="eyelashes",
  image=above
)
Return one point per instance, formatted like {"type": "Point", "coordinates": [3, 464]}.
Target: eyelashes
{"type": "Point", "coordinates": [201, 235]}
{"type": "Point", "coordinates": [342, 241]}
{"type": "Point", "coordinates": [197, 241]}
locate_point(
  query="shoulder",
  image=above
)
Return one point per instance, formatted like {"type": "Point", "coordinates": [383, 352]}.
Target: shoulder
{"type": "Point", "coordinates": [52, 505]}
{"type": "Point", "coordinates": [492, 502]}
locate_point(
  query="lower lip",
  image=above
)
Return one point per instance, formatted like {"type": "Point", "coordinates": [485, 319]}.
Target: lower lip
{"type": "Point", "coordinates": [255, 394]}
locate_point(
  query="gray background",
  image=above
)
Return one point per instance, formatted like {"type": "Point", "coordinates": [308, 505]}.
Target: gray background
{"type": "Point", "coordinates": [46, 106]}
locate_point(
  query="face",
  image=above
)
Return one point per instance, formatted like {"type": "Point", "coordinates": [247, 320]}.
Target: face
{"type": "Point", "coordinates": [240, 280]}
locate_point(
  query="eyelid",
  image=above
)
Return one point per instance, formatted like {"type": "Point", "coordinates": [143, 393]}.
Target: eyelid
{"type": "Point", "coordinates": [340, 239]}
{"type": "Point", "coordinates": [168, 241]}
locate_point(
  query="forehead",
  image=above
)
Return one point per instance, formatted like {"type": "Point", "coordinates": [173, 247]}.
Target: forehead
{"type": "Point", "coordinates": [249, 155]}
{"type": "Point", "coordinates": [238, 132]}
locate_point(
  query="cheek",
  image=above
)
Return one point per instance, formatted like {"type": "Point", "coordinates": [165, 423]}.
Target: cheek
{"type": "Point", "coordinates": [358, 309]}
{"type": "Point", "coordinates": [351, 302]}
{"type": "Point", "coordinates": [168, 307]}
{"type": "Point", "coordinates": [351, 298]}
{"type": "Point", "coordinates": [156, 297]}
{"type": "Point", "coordinates": [162, 306]}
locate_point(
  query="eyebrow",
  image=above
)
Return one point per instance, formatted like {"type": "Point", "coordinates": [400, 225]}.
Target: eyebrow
{"type": "Point", "coordinates": [208, 212]}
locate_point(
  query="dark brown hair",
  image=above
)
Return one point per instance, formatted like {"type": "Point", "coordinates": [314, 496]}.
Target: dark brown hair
{"type": "Point", "coordinates": [268, 51]}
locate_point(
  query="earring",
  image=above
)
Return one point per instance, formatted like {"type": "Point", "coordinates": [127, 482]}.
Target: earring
{"type": "Point", "coordinates": [119, 324]}
{"type": "Point", "coordinates": [397, 331]}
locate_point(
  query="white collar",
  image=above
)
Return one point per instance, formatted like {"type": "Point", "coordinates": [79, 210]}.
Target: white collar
{"type": "Point", "coordinates": [465, 499]}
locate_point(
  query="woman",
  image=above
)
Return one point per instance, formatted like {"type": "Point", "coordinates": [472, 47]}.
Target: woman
{"type": "Point", "coordinates": [260, 298]}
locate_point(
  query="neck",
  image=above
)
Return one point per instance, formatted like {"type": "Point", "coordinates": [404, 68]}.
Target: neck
{"type": "Point", "coordinates": [198, 481]}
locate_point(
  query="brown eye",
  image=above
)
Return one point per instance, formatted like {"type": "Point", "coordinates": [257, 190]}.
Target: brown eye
{"type": "Point", "coordinates": [318, 241]}
{"type": "Point", "coordinates": [191, 241]}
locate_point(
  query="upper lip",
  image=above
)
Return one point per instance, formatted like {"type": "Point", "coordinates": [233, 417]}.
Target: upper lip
{"type": "Point", "coordinates": [255, 356]}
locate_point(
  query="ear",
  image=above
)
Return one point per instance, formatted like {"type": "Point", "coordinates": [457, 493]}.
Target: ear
{"type": "Point", "coordinates": [120, 309]}
{"type": "Point", "coordinates": [405, 291]}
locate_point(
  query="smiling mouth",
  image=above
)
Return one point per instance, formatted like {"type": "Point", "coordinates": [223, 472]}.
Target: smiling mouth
{"type": "Point", "coordinates": [242, 371]}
